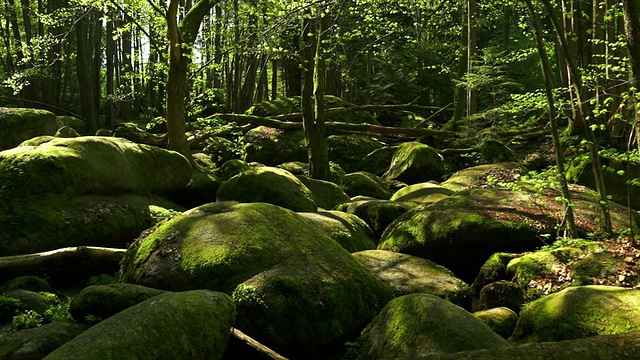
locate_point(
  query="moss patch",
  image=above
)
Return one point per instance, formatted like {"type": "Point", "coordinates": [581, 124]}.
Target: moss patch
{"type": "Point", "coordinates": [415, 162]}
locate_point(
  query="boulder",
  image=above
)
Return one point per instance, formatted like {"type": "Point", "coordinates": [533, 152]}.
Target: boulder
{"type": "Point", "coordinates": [268, 184]}
{"type": "Point", "coordinates": [464, 230]}
{"type": "Point", "coordinates": [93, 165]}
{"type": "Point", "coordinates": [20, 124]}
{"type": "Point", "coordinates": [418, 325]}
{"type": "Point", "coordinates": [408, 274]}
{"type": "Point", "coordinates": [482, 175]}
{"type": "Point", "coordinates": [66, 132]}
{"type": "Point", "coordinates": [494, 151]}
{"type": "Point", "coordinates": [231, 168]}
{"type": "Point", "coordinates": [31, 300]}
{"type": "Point", "coordinates": [578, 312]}
{"type": "Point", "coordinates": [422, 193]}
{"type": "Point", "coordinates": [348, 230]}
{"type": "Point", "coordinates": [414, 163]}
{"type": "Point", "coordinates": [501, 293]}
{"type": "Point", "coordinates": [623, 346]}
{"type": "Point", "coordinates": [349, 150]}
{"type": "Point", "coordinates": [188, 325]}
{"type": "Point", "coordinates": [295, 288]}
{"type": "Point", "coordinates": [131, 131]}
{"type": "Point", "coordinates": [378, 214]}
{"type": "Point", "coordinates": [32, 283]}
{"type": "Point", "coordinates": [366, 184]}
{"type": "Point", "coordinates": [378, 161]}
{"type": "Point", "coordinates": [79, 125]}
{"type": "Point", "coordinates": [220, 149]}
{"type": "Point", "coordinates": [271, 146]}
{"type": "Point", "coordinates": [501, 320]}
{"type": "Point", "coordinates": [34, 224]}
{"type": "Point", "coordinates": [98, 302]}
{"type": "Point", "coordinates": [326, 194]}
{"type": "Point", "coordinates": [36, 141]}
{"type": "Point", "coordinates": [200, 190]}
{"type": "Point", "coordinates": [9, 306]}
{"type": "Point", "coordinates": [494, 269]}
{"type": "Point", "coordinates": [36, 343]}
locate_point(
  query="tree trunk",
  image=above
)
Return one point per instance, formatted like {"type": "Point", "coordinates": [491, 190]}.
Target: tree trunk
{"type": "Point", "coordinates": [471, 51]}
{"type": "Point", "coordinates": [318, 154]}
{"type": "Point", "coordinates": [631, 10]}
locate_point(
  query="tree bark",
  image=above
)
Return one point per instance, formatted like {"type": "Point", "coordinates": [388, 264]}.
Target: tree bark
{"type": "Point", "coordinates": [631, 10]}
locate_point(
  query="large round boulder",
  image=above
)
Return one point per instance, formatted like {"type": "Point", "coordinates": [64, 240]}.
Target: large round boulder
{"type": "Point", "coordinates": [327, 194]}
{"type": "Point", "coordinates": [408, 274]}
{"type": "Point", "coordinates": [461, 232]}
{"type": "Point", "coordinates": [482, 176]}
{"type": "Point", "coordinates": [578, 312]}
{"type": "Point", "coordinates": [351, 232]}
{"type": "Point", "coordinates": [365, 184]}
{"type": "Point", "coordinates": [93, 165]}
{"type": "Point", "coordinates": [378, 214]}
{"type": "Point", "coordinates": [188, 325]}
{"type": "Point", "coordinates": [295, 288]}
{"type": "Point", "coordinates": [20, 124]}
{"type": "Point", "coordinates": [414, 163]}
{"type": "Point", "coordinates": [417, 325]}
{"type": "Point", "coordinates": [36, 343]}
{"type": "Point", "coordinates": [422, 192]}
{"type": "Point", "coordinates": [268, 184]}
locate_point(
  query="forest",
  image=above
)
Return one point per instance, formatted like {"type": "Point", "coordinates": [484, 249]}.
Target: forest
{"type": "Point", "coordinates": [324, 179]}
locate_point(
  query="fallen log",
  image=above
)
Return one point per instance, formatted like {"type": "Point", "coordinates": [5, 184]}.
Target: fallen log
{"type": "Point", "coordinates": [416, 109]}
{"type": "Point", "coordinates": [245, 340]}
{"type": "Point", "coordinates": [63, 266]}
{"type": "Point", "coordinates": [336, 127]}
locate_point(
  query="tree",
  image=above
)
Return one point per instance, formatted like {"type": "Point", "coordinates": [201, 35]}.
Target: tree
{"type": "Point", "coordinates": [631, 10]}
{"type": "Point", "coordinates": [181, 39]}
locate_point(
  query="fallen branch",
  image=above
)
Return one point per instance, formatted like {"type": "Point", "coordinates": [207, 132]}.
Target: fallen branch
{"type": "Point", "coordinates": [255, 345]}
{"type": "Point", "coordinates": [417, 109]}
{"type": "Point", "coordinates": [335, 127]}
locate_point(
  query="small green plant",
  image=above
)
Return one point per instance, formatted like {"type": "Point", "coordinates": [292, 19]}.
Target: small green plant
{"type": "Point", "coordinates": [26, 320]}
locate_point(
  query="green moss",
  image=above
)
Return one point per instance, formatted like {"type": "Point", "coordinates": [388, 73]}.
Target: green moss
{"type": "Point", "coordinates": [501, 320]}
{"type": "Point", "coordinates": [494, 269]}
{"type": "Point", "coordinates": [32, 283]}
{"type": "Point", "coordinates": [349, 150]}
{"type": "Point", "coordinates": [366, 184]}
{"type": "Point", "coordinates": [414, 162]}
{"type": "Point", "coordinates": [9, 307]}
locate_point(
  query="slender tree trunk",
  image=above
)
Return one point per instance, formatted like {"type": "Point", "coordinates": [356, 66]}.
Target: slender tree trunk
{"type": "Point", "coordinates": [471, 51]}
{"type": "Point", "coordinates": [631, 10]}
{"type": "Point", "coordinates": [110, 86]}
{"type": "Point", "coordinates": [318, 153]}
{"type": "Point", "coordinates": [557, 145]}
{"type": "Point", "coordinates": [274, 79]}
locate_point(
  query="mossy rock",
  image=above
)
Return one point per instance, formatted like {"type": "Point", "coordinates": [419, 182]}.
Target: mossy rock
{"type": "Point", "coordinates": [349, 150]}
{"type": "Point", "coordinates": [56, 221]}
{"type": "Point", "coordinates": [479, 176]}
{"type": "Point", "coordinates": [414, 163]}
{"type": "Point", "coordinates": [616, 174]}
{"type": "Point", "coordinates": [501, 293]}
{"type": "Point", "coordinates": [578, 312]}
{"type": "Point", "coordinates": [422, 192]}
{"type": "Point", "coordinates": [494, 151]}
{"type": "Point", "coordinates": [378, 214]}
{"type": "Point", "coordinates": [293, 105]}
{"type": "Point", "coordinates": [378, 161]}
{"type": "Point", "coordinates": [501, 320]}
{"type": "Point", "coordinates": [38, 342]}
{"type": "Point", "coordinates": [66, 132]}
{"type": "Point", "coordinates": [294, 286]}
{"type": "Point", "coordinates": [232, 168]}
{"type": "Point", "coordinates": [365, 184]}
{"type": "Point", "coordinates": [32, 283]}
{"type": "Point", "coordinates": [157, 125]}
{"type": "Point", "coordinates": [296, 167]}
{"type": "Point", "coordinates": [93, 165]}
{"type": "Point", "coordinates": [98, 302]}
{"type": "Point", "coordinates": [36, 141]}
{"type": "Point", "coordinates": [188, 325]}
{"type": "Point", "coordinates": [408, 274]}
{"type": "Point", "coordinates": [494, 269]}
{"type": "Point", "coordinates": [220, 149]}
{"type": "Point", "coordinates": [272, 147]}
{"type": "Point", "coordinates": [79, 125]}
{"type": "Point", "coordinates": [348, 230]}
{"type": "Point", "coordinates": [623, 346]}
{"type": "Point", "coordinates": [461, 232]}
{"type": "Point", "coordinates": [104, 132]}
{"type": "Point", "coordinates": [32, 300]}
{"type": "Point", "coordinates": [20, 124]}
{"type": "Point", "coordinates": [9, 306]}
{"type": "Point", "coordinates": [200, 190]}
{"type": "Point", "coordinates": [270, 185]}
{"type": "Point", "coordinates": [326, 194]}
{"type": "Point", "coordinates": [421, 324]}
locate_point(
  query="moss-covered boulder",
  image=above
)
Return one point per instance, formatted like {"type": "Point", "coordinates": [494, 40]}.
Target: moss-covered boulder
{"type": "Point", "coordinates": [623, 346]}
{"type": "Point", "coordinates": [501, 320]}
{"type": "Point", "coordinates": [578, 312]}
{"type": "Point", "coordinates": [502, 293]}
{"type": "Point", "coordinates": [482, 175]}
{"type": "Point", "coordinates": [47, 222]}
{"type": "Point", "coordinates": [32, 300]}
{"type": "Point", "coordinates": [326, 194]}
{"type": "Point", "coordinates": [294, 286]}
{"type": "Point", "coordinates": [422, 192]}
{"type": "Point", "coordinates": [617, 174]}
{"type": "Point", "coordinates": [66, 132]}
{"type": "Point", "coordinates": [365, 184]}
{"type": "Point", "coordinates": [418, 325]}
{"type": "Point", "coordinates": [98, 302]}
{"type": "Point", "coordinates": [193, 324]}
{"type": "Point", "coordinates": [349, 150]}
{"type": "Point", "coordinates": [20, 124]}
{"type": "Point", "coordinates": [461, 232]}
{"type": "Point", "coordinates": [494, 269]}
{"type": "Point", "coordinates": [378, 161]}
{"type": "Point", "coordinates": [38, 342]}
{"type": "Point", "coordinates": [231, 168]}
{"type": "Point", "coordinates": [494, 151]}
{"type": "Point", "coordinates": [36, 141]}
{"type": "Point", "coordinates": [272, 147]}
{"type": "Point", "coordinates": [348, 230]}
{"type": "Point", "coordinates": [378, 214]}
{"type": "Point", "coordinates": [270, 185]}
{"type": "Point", "coordinates": [131, 131]}
{"type": "Point", "coordinates": [30, 282]}
{"type": "Point", "coordinates": [414, 163]}
{"type": "Point", "coordinates": [93, 165]}
{"type": "Point", "coordinates": [408, 274]}
{"type": "Point", "coordinates": [9, 307]}
{"type": "Point", "coordinates": [220, 149]}
{"type": "Point", "coordinates": [79, 125]}
{"type": "Point", "coordinates": [200, 190]}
